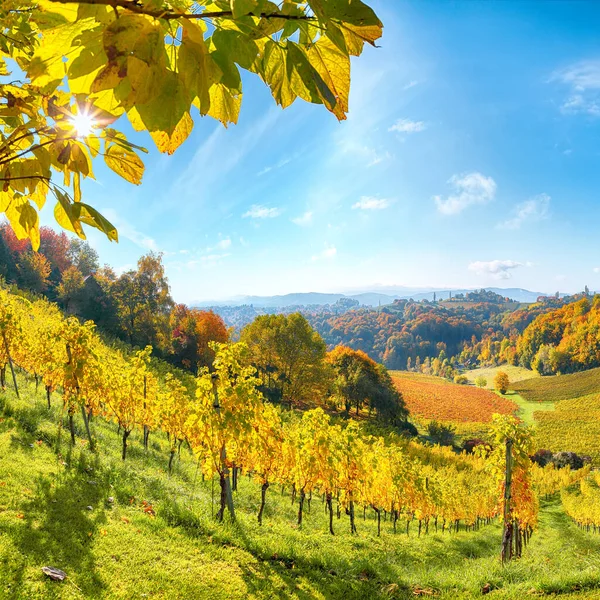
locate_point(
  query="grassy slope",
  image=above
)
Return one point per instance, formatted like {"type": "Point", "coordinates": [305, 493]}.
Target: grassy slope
{"type": "Point", "coordinates": [117, 551]}
{"type": "Point", "coordinates": [514, 374]}
{"type": "Point", "coordinates": [527, 408]}
{"type": "Point", "coordinates": [560, 387]}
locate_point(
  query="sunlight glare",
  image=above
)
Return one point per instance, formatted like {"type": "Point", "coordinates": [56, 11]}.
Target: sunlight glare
{"type": "Point", "coordinates": [83, 124]}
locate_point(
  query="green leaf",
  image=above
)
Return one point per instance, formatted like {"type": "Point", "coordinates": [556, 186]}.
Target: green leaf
{"type": "Point", "coordinates": [90, 216]}
{"type": "Point", "coordinates": [243, 7]}
{"type": "Point", "coordinates": [167, 116]}
{"type": "Point", "coordinates": [240, 48]}
{"type": "Point", "coordinates": [64, 216]}
{"type": "Point", "coordinates": [197, 68]}
{"type": "Point", "coordinates": [274, 71]}
{"type": "Point", "coordinates": [125, 163]}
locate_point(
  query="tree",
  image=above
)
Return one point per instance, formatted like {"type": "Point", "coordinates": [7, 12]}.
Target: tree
{"type": "Point", "coordinates": [33, 271]}
{"type": "Point", "coordinates": [192, 330]}
{"type": "Point", "coordinates": [70, 287]}
{"type": "Point", "coordinates": [83, 64]}
{"type": "Point", "coordinates": [360, 381]}
{"type": "Point", "coordinates": [501, 382]}
{"type": "Point", "coordinates": [144, 303]}
{"type": "Point", "coordinates": [289, 356]}
{"type": "Point", "coordinates": [481, 381]}
{"type": "Point", "coordinates": [83, 257]}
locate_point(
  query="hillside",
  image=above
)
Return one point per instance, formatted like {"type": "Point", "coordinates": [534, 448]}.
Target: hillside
{"type": "Point", "coordinates": [157, 538]}
{"type": "Point", "coordinates": [559, 387]}
{"type": "Point", "coordinates": [515, 374]}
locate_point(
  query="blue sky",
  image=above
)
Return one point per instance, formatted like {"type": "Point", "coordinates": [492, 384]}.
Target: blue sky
{"type": "Point", "coordinates": [470, 158]}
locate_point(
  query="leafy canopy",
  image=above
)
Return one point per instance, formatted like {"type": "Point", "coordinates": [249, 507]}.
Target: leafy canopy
{"type": "Point", "coordinates": [69, 69]}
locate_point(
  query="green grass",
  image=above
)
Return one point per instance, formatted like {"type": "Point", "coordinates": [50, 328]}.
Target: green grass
{"type": "Point", "coordinates": [559, 387]}
{"type": "Point", "coordinates": [514, 374]}
{"type": "Point", "coordinates": [115, 550]}
{"type": "Point", "coordinates": [527, 407]}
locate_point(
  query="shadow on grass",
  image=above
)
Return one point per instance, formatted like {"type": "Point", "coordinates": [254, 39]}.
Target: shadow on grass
{"type": "Point", "coordinates": [58, 526]}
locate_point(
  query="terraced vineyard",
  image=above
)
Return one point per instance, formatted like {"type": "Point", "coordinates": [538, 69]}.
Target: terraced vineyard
{"type": "Point", "coordinates": [574, 425]}
{"type": "Point", "coordinates": [559, 387]}
{"type": "Point", "coordinates": [429, 398]}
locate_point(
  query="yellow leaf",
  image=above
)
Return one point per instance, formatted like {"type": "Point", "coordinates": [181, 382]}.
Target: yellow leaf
{"type": "Point", "coordinates": [125, 163]}
{"type": "Point", "coordinates": [334, 67]}
{"type": "Point", "coordinates": [169, 143]}
{"type": "Point", "coordinates": [224, 104]}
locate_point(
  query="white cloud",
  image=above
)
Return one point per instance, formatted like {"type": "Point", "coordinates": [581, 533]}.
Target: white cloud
{"type": "Point", "coordinates": [498, 269]}
{"type": "Point", "coordinates": [469, 189]}
{"type": "Point", "coordinates": [329, 253]}
{"type": "Point", "coordinates": [410, 84]}
{"type": "Point", "coordinates": [596, 269]}
{"type": "Point", "coordinates": [370, 155]}
{"type": "Point", "coordinates": [408, 126]}
{"type": "Point", "coordinates": [129, 232]}
{"type": "Point", "coordinates": [534, 209]}
{"type": "Point", "coordinates": [303, 220]}
{"type": "Point", "coordinates": [583, 79]}
{"type": "Point", "coordinates": [258, 211]}
{"type": "Point", "coordinates": [224, 244]}
{"type": "Point", "coordinates": [281, 163]}
{"type": "Point", "coordinates": [371, 203]}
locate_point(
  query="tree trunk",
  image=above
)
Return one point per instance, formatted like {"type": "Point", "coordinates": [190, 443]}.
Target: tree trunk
{"type": "Point", "coordinates": [48, 392]}
{"type": "Point", "coordinates": [125, 436]}
{"type": "Point", "coordinates": [10, 363]}
{"type": "Point", "coordinates": [146, 436]}
{"type": "Point", "coordinates": [72, 429]}
{"type": "Point", "coordinates": [330, 509]}
{"type": "Point", "coordinates": [87, 427]}
{"type": "Point", "coordinates": [3, 377]}
{"type": "Point", "coordinates": [301, 506]}
{"type": "Point", "coordinates": [263, 498]}
{"type": "Point", "coordinates": [507, 536]}
{"type": "Point", "coordinates": [171, 460]}
{"type": "Point", "coordinates": [378, 511]}
{"type": "Point", "coordinates": [352, 520]}
{"type": "Point", "coordinates": [234, 478]}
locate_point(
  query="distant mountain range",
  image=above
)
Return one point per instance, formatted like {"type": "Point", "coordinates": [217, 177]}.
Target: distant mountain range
{"type": "Point", "coordinates": [365, 298]}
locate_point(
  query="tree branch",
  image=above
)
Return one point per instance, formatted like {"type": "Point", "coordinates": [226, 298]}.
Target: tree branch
{"type": "Point", "coordinates": [135, 7]}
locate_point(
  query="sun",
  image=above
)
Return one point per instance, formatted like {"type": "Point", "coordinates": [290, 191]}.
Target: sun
{"type": "Point", "coordinates": [83, 123]}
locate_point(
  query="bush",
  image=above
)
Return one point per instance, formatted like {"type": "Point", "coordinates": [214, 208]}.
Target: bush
{"type": "Point", "coordinates": [408, 429]}
{"type": "Point", "coordinates": [501, 382]}
{"type": "Point", "coordinates": [542, 457]}
{"type": "Point", "coordinates": [441, 434]}
{"type": "Point", "coordinates": [470, 445]}
{"type": "Point", "coordinates": [567, 459]}
{"type": "Point", "coordinates": [461, 379]}
{"type": "Point", "coordinates": [481, 381]}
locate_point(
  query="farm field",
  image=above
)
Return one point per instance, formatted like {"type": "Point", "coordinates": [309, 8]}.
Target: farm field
{"type": "Point", "coordinates": [55, 510]}
{"type": "Point", "coordinates": [515, 374]}
{"type": "Point", "coordinates": [559, 387]}
{"type": "Point", "coordinates": [429, 398]}
{"type": "Point", "coordinates": [574, 426]}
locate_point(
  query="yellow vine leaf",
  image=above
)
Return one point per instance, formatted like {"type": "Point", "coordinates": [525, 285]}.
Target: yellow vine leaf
{"type": "Point", "coordinates": [125, 163]}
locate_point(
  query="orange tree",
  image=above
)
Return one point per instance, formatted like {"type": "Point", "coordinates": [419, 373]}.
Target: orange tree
{"type": "Point", "coordinates": [80, 65]}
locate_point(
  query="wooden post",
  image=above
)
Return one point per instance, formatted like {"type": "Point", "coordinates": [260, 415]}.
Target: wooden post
{"type": "Point", "coordinates": [507, 536]}
{"type": "Point", "coordinates": [10, 362]}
